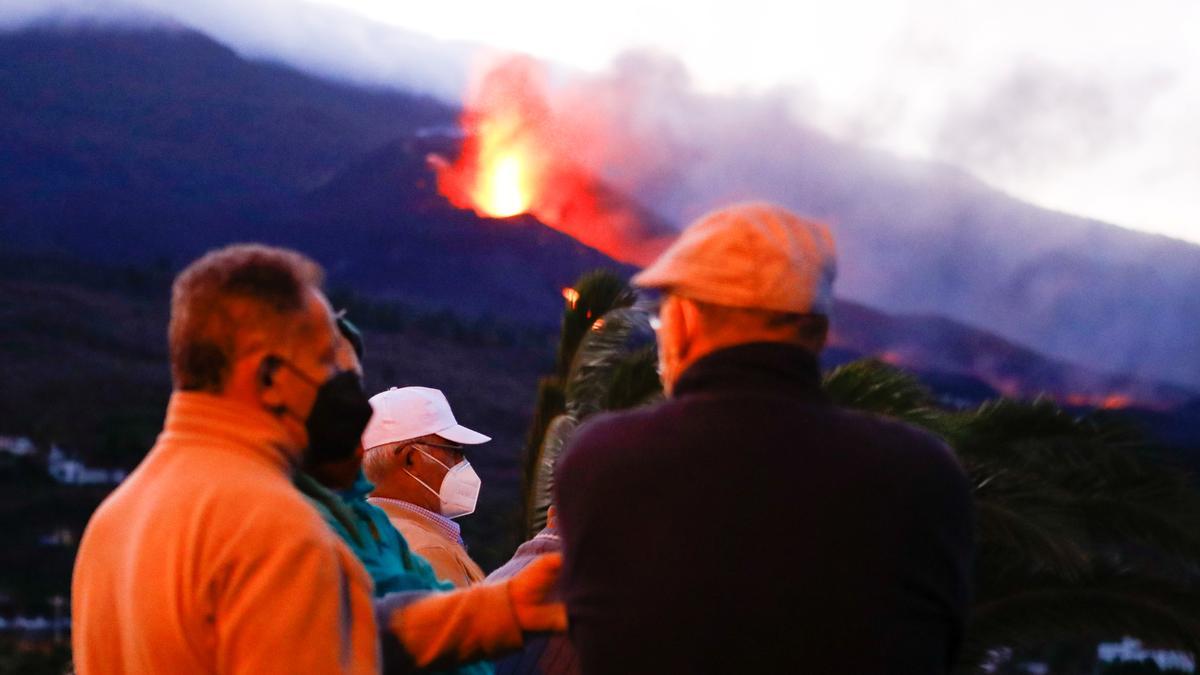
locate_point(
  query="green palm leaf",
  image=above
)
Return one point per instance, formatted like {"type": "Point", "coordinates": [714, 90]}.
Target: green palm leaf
{"type": "Point", "coordinates": [558, 434]}
{"type": "Point", "coordinates": [877, 387]}
{"type": "Point", "coordinates": [635, 380]}
{"type": "Point", "coordinates": [599, 359]}
{"type": "Point", "coordinates": [598, 293]}
{"type": "Point", "coordinates": [1016, 537]}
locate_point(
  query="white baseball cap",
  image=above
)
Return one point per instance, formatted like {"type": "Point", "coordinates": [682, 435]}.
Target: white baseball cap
{"type": "Point", "coordinates": [405, 413]}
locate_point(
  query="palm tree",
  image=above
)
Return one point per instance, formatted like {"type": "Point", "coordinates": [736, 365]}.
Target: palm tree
{"type": "Point", "coordinates": [597, 369]}
{"type": "Point", "coordinates": [1085, 531]}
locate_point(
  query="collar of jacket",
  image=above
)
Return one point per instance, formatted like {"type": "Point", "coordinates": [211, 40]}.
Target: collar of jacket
{"type": "Point", "coordinates": [198, 419]}
{"type": "Point", "coordinates": [432, 520]}
{"type": "Point", "coordinates": [359, 491]}
{"type": "Point", "coordinates": [332, 501]}
{"type": "Point", "coordinates": [757, 366]}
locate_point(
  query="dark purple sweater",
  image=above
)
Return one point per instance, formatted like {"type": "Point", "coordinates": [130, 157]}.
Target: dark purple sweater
{"type": "Point", "coordinates": [746, 525]}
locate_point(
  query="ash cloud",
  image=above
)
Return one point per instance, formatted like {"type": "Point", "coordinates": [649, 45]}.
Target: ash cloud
{"type": "Point", "coordinates": [919, 237]}
{"type": "Point", "coordinates": [681, 151]}
{"type": "Point", "coordinates": [1039, 118]}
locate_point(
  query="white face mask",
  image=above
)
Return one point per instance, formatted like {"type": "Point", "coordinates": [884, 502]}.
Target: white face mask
{"type": "Point", "coordinates": [460, 488]}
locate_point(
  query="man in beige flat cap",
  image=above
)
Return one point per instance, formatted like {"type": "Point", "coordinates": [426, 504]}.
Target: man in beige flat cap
{"type": "Point", "coordinates": [745, 524]}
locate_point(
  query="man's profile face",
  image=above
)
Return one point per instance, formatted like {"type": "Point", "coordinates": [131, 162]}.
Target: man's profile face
{"type": "Point", "coordinates": [419, 459]}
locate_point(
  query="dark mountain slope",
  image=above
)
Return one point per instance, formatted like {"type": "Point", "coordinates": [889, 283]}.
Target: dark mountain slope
{"type": "Point", "coordinates": [123, 143]}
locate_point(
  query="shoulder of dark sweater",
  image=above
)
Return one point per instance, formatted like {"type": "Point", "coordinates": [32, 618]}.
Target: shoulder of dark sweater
{"type": "Point", "coordinates": [750, 371]}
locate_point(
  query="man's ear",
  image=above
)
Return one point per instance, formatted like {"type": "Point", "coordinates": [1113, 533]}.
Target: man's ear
{"type": "Point", "coordinates": [407, 457]}
{"type": "Point", "coordinates": [687, 317]}
{"type": "Point", "coordinates": [266, 370]}
{"type": "Point", "coordinates": [266, 377]}
{"type": "Point", "coordinates": [253, 380]}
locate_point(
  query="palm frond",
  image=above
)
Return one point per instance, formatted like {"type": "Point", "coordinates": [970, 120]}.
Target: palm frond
{"type": "Point", "coordinates": [551, 402]}
{"type": "Point", "coordinates": [1141, 534]}
{"type": "Point", "coordinates": [596, 294]}
{"type": "Point", "coordinates": [877, 387]}
{"type": "Point", "coordinates": [1027, 521]}
{"type": "Point", "coordinates": [1027, 539]}
{"type": "Point", "coordinates": [598, 358]}
{"type": "Point", "coordinates": [635, 380]}
{"type": "Point", "coordinates": [542, 488]}
{"type": "Point", "coordinates": [1004, 421]}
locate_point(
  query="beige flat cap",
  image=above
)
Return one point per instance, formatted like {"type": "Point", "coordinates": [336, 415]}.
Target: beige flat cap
{"type": "Point", "coordinates": [753, 255]}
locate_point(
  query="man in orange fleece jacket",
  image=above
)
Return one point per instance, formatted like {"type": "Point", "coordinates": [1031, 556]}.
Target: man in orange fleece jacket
{"type": "Point", "coordinates": [207, 560]}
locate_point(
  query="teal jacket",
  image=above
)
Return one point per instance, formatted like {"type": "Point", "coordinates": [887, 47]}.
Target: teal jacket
{"type": "Point", "coordinates": [368, 532]}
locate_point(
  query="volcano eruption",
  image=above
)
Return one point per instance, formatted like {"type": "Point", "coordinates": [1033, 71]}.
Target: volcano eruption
{"type": "Point", "coordinates": [521, 156]}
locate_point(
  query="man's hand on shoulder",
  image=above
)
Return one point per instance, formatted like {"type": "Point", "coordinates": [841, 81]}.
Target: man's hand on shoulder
{"type": "Point", "coordinates": [530, 591]}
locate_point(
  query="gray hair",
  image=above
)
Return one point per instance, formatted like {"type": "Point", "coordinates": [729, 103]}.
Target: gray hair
{"type": "Point", "coordinates": [380, 461]}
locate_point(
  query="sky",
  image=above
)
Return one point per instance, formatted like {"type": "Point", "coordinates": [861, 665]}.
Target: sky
{"type": "Point", "coordinates": [1086, 106]}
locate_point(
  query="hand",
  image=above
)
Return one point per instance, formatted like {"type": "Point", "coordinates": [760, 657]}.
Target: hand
{"type": "Point", "coordinates": [529, 591]}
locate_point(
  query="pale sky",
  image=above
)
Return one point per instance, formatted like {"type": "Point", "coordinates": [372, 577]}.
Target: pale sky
{"type": "Point", "coordinates": [1086, 106]}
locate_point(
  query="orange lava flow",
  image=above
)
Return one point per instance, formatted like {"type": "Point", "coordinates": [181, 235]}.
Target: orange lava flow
{"type": "Point", "coordinates": [1104, 401]}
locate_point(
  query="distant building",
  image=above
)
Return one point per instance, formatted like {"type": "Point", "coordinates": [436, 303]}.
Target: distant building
{"type": "Point", "coordinates": [18, 446]}
{"type": "Point", "coordinates": [63, 536]}
{"type": "Point", "coordinates": [1130, 649]}
{"type": "Point", "coordinates": [35, 624]}
{"type": "Point", "coordinates": [32, 623]}
{"type": "Point", "coordinates": [71, 471]}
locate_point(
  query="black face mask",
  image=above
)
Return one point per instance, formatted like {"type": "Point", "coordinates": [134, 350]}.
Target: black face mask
{"type": "Point", "coordinates": [337, 419]}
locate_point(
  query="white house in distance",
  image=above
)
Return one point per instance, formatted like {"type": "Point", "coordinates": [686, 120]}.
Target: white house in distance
{"type": "Point", "coordinates": [61, 466]}
{"type": "Point", "coordinates": [70, 471]}
{"type": "Point", "coordinates": [1130, 649]}
{"type": "Point", "coordinates": [17, 446]}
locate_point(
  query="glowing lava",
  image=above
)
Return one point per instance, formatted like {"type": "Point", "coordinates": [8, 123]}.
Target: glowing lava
{"type": "Point", "coordinates": [524, 153]}
{"type": "Point", "coordinates": [1114, 401]}
{"type": "Point", "coordinates": [503, 192]}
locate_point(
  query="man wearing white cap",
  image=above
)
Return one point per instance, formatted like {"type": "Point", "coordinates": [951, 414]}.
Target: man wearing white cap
{"type": "Point", "coordinates": [415, 457]}
{"type": "Point", "coordinates": [745, 524]}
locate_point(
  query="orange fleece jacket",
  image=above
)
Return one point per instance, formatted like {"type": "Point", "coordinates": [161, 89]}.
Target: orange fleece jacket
{"type": "Point", "coordinates": [207, 560]}
{"type": "Point", "coordinates": [444, 629]}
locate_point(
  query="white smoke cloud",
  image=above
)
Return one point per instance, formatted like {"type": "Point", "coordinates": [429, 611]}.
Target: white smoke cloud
{"type": "Point", "coordinates": [1039, 117]}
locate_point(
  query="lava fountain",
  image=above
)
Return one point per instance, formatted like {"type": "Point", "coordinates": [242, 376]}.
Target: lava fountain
{"type": "Point", "coordinates": [521, 155]}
